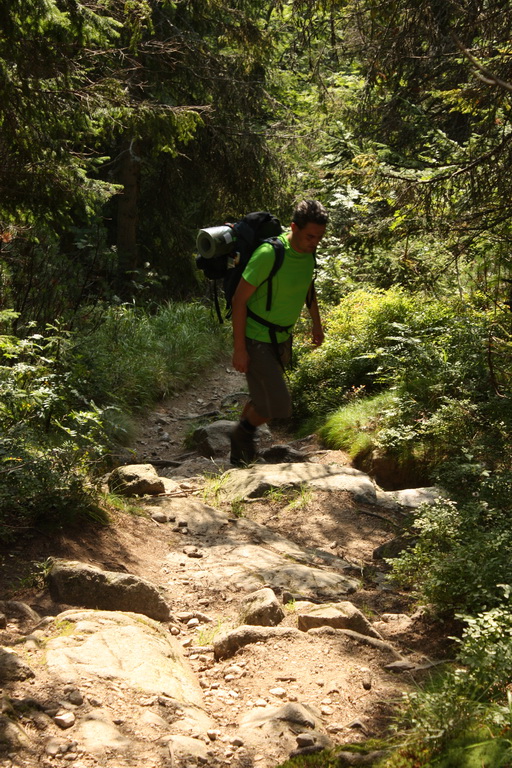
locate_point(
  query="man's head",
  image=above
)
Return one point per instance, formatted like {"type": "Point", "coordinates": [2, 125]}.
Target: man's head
{"type": "Point", "coordinates": [308, 226]}
{"type": "Point", "coordinates": [309, 211]}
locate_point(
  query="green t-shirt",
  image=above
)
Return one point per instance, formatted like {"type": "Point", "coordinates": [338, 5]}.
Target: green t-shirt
{"type": "Point", "coordinates": [289, 288]}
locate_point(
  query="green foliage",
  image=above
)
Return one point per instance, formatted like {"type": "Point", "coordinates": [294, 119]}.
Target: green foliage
{"type": "Point", "coordinates": [48, 440]}
{"type": "Point", "coordinates": [435, 361]}
{"type": "Point", "coordinates": [463, 551]}
{"type": "Point", "coordinates": [41, 486]}
{"type": "Point", "coordinates": [64, 400]}
{"type": "Point", "coordinates": [353, 427]}
{"type": "Point", "coordinates": [134, 358]}
{"type": "Point", "coordinates": [464, 717]}
{"type": "Point", "coordinates": [486, 652]}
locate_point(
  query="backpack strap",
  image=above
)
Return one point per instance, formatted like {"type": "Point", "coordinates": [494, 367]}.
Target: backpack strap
{"type": "Point", "coordinates": [273, 330]}
{"type": "Point", "coordinates": [216, 300]}
{"type": "Point", "coordinates": [278, 246]}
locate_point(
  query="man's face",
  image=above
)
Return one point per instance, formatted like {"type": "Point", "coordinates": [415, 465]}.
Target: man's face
{"type": "Point", "coordinates": [305, 240]}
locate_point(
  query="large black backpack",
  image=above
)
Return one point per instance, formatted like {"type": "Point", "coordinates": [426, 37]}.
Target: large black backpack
{"type": "Point", "coordinates": [224, 252]}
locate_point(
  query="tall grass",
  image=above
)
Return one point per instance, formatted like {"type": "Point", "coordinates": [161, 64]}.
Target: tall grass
{"type": "Point", "coordinates": [64, 396]}
{"type": "Point", "coordinates": [133, 358]}
{"type": "Point", "coordinates": [352, 428]}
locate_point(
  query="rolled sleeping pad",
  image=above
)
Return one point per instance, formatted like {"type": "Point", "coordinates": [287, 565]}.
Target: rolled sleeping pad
{"type": "Point", "coordinates": [215, 241]}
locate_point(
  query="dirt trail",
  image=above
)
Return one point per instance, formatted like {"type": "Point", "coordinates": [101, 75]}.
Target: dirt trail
{"type": "Point", "coordinates": [347, 683]}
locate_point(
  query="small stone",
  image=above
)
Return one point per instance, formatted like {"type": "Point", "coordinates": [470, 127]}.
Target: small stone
{"type": "Point", "coordinates": [358, 725]}
{"type": "Point", "coordinates": [75, 698]}
{"type": "Point", "coordinates": [305, 740]}
{"type": "Point", "coordinates": [52, 747]}
{"type": "Point", "coordinates": [192, 551]}
{"type": "Point", "coordinates": [159, 517]}
{"type": "Point", "coordinates": [64, 719]}
{"type": "Point", "coordinates": [213, 735]}
{"type": "Point", "coordinates": [326, 710]}
{"type": "Point", "coordinates": [279, 692]}
{"type": "Point", "coordinates": [191, 623]}
{"type": "Point", "coordinates": [260, 703]}
{"type": "Point", "coordinates": [236, 670]}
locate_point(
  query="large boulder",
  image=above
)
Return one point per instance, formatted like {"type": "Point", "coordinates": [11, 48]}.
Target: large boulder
{"type": "Point", "coordinates": [136, 480]}
{"type": "Point", "coordinates": [262, 608]}
{"type": "Point", "coordinates": [343, 615]}
{"type": "Point", "coordinates": [213, 439]}
{"type": "Point", "coordinates": [258, 479]}
{"type": "Point", "coordinates": [81, 584]}
{"type": "Point", "coordinates": [115, 649]}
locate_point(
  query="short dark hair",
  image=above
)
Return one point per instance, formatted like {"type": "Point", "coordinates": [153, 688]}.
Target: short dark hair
{"type": "Point", "coordinates": [309, 211]}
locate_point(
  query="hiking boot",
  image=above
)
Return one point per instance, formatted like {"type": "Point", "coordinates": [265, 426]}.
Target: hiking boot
{"type": "Point", "coordinates": [243, 446]}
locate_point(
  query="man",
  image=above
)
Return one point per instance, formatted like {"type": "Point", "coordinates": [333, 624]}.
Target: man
{"type": "Point", "coordinates": [255, 354]}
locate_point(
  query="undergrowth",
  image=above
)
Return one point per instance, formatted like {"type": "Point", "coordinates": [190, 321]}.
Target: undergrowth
{"type": "Point", "coordinates": [66, 401]}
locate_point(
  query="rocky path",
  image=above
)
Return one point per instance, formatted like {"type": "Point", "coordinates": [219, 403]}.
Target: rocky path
{"type": "Point", "coordinates": [241, 616]}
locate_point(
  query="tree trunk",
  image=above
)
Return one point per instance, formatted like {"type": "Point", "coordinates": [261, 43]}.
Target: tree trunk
{"type": "Point", "coordinates": [127, 210]}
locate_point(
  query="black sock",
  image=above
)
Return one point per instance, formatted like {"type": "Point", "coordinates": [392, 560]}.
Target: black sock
{"type": "Point", "coordinates": [247, 425]}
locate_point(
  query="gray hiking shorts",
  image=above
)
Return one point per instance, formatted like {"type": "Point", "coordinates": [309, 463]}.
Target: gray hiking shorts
{"type": "Point", "coordinates": [265, 377]}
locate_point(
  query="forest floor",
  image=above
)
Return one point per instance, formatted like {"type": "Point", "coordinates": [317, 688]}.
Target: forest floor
{"type": "Point", "coordinates": [135, 543]}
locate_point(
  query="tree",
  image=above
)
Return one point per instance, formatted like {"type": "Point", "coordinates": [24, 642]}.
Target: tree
{"type": "Point", "coordinates": [153, 108]}
{"type": "Point", "coordinates": [433, 122]}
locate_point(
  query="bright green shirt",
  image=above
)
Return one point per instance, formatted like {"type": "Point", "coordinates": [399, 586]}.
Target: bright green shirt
{"type": "Point", "coordinates": [289, 288]}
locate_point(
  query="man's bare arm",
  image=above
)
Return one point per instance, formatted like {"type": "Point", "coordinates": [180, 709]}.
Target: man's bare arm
{"type": "Point", "coordinates": [239, 319]}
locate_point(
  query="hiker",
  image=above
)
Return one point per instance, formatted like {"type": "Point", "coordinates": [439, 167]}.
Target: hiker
{"type": "Point", "coordinates": [262, 354]}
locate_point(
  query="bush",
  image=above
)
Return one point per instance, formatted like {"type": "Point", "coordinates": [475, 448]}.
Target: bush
{"type": "Point", "coordinates": [463, 551]}
{"type": "Point", "coordinates": [354, 427]}
{"type": "Point", "coordinates": [64, 400]}
{"type": "Point", "coordinates": [432, 357]}
{"type": "Point", "coordinates": [42, 486]}
{"type": "Point", "coordinates": [464, 718]}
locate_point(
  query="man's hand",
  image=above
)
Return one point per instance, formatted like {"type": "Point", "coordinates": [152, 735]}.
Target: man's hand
{"type": "Point", "coordinates": [240, 360]}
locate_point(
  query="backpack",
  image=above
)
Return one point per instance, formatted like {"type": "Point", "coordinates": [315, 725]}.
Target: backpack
{"type": "Point", "coordinates": [224, 252]}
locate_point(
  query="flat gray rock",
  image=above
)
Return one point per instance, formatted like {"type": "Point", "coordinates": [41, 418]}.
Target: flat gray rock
{"type": "Point", "coordinates": [409, 497]}
{"type": "Point", "coordinates": [246, 567]}
{"type": "Point", "coordinates": [271, 727]}
{"type": "Point", "coordinates": [258, 479]}
{"type": "Point", "coordinates": [227, 644]}
{"type": "Point", "coordinates": [201, 519]}
{"type": "Point", "coordinates": [120, 648]}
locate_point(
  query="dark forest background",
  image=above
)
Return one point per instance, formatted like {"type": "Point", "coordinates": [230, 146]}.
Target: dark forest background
{"type": "Point", "coordinates": [127, 125]}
